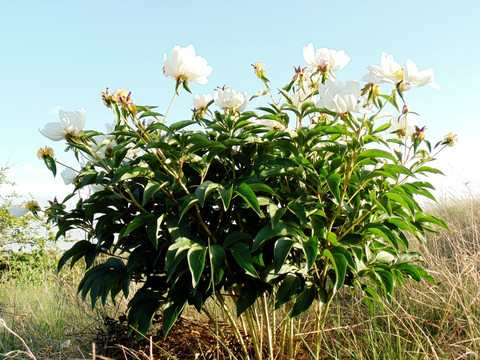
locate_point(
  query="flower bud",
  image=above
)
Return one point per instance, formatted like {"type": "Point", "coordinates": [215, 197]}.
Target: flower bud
{"type": "Point", "coordinates": [259, 69]}
{"type": "Point", "coordinates": [108, 98]}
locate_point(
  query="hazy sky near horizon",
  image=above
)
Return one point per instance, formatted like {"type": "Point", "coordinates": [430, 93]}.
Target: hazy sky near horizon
{"type": "Point", "coordinates": [62, 54]}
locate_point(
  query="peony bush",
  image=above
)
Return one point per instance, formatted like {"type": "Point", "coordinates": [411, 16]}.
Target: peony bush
{"type": "Point", "coordinates": [277, 206]}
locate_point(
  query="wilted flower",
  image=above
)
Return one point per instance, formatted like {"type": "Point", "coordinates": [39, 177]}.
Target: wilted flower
{"type": "Point", "coordinates": [69, 176]}
{"type": "Point", "coordinates": [339, 97]}
{"type": "Point", "coordinates": [230, 100]}
{"type": "Point", "coordinates": [184, 66]}
{"type": "Point", "coordinates": [450, 139]}
{"type": "Point", "coordinates": [419, 132]}
{"type": "Point", "coordinates": [46, 152]}
{"type": "Point", "coordinates": [325, 60]}
{"type": "Point", "coordinates": [391, 72]}
{"type": "Point", "coordinates": [33, 206]}
{"type": "Point", "coordinates": [71, 123]}
{"type": "Point", "coordinates": [403, 125]}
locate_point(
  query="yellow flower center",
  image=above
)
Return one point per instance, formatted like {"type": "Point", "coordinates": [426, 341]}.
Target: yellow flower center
{"type": "Point", "coordinates": [45, 152]}
{"type": "Point", "coordinates": [399, 74]}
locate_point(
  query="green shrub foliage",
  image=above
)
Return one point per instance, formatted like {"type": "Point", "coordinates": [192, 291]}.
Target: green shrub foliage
{"type": "Point", "coordinates": [292, 200]}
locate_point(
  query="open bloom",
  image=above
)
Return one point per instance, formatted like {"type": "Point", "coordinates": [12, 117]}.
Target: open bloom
{"type": "Point", "coordinates": [68, 176]}
{"type": "Point", "coordinates": [391, 72]}
{"type": "Point", "coordinates": [202, 101]}
{"type": "Point", "coordinates": [403, 125]}
{"type": "Point", "coordinates": [71, 123]}
{"type": "Point", "coordinates": [339, 97]}
{"type": "Point", "coordinates": [184, 65]}
{"type": "Point", "coordinates": [230, 100]}
{"type": "Point", "coordinates": [325, 60]}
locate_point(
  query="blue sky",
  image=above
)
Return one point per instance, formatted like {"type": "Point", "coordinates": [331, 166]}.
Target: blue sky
{"type": "Point", "coordinates": [62, 54]}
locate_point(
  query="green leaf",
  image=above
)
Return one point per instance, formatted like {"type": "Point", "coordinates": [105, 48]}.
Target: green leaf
{"type": "Point", "coordinates": [241, 254]}
{"type": "Point", "coordinates": [267, 233]}
{"type": "Point", "coordinates": [275, 213]}
{"type": "Point", "coordinates": [429, 219]}
{"type": "Point", "coordinates": [235, 236]}
{"type": "Point", "coordinates": [345, 253]}
{"type": "Point", "coordinates": [333, 181]}
{"type": "Point", "coordinates": [290, 287]}
{"type": "Point", "coordinates": [280, 252]}
{"type": "Point", "coordinates": [386, 279]}
{"type": "Point", "coordinates": [152, 188]}
{"type": "Point", "coordinates": [424, 169]}
{"type": "Point", "coordinates": [50, 164]}
{"type": "Point", "coordinates": [303, 301]}
{"type": "Point", "coordinates": [299, 211]}
{"type": "Point", "coordinates": [189, 201]}
{"type": "Point", "coordinates": [76, 252]}
{"type": "Point", "coordinates": [137, 221]}
{"type": "Point", "coordinates": [181, 124]}
{"type": "Point", "coordinates": [153, 230]}
{"type": "Point", "coordinates": [259, 93]}
{"type": "Point", "coordinates": [226, 196]}
{"type": "Point", "coordinates": [196, 262]}
{"type": "Point", "coordinates": [249, 196]}
{"type": "Point", "coordinates": [400, 200]}
{"type": "Point", "coordinates": [176, 253]}
{"type": "Point", "coordinates": [203, 190]}
{"type": "Point", "coordinates": [310, 248]}
{"type": "Point", "coordinates": [409, 270]}
{"type": "Point", "coordinates": [339, 264]}
{"type": "Point", "coordinates": [170, 315]}
{"type": "Point", "coordinates": [384, 232]}
{"type": "Point", "coordinates": [217, 259]}
{"type": "Point", "coordinates": [130, 172]}
{"type": "Point", "coordinates": [375, 153]}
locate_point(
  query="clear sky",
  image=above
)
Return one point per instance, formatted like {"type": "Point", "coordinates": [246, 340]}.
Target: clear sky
{"type": "Point", "coordinates": [62, 54]}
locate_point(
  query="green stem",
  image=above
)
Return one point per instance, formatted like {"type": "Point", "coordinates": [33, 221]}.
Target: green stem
{"type": "Point", "coordinates": [252, 322]}
{"type": "Point", "coordinates": [233, 324]}
{"type": "Point", "coordinates": [270, 335]}
{"type": "Point", "coordinates": [169, 106]}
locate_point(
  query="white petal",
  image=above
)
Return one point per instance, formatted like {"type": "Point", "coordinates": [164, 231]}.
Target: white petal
{"type": "Point", "coordinates": [54, 131]}
{"type": "Point", "coordinates": [17, 211]}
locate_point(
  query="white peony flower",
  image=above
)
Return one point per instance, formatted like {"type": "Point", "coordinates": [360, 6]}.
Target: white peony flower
{"type": "Point", "coordinates": [339, 97]}
{"type": "Point", "coordinates": [69, 176]}
{"type": "Point", "coordinates": [404, 125]}
{"type": "Point", "coordinates": [230, 100]}
{"type": "Point", "coordinates": [324, 59]}
{"type": "Point", "coordinates": [185, 65]}
{"type": "Point", "coordinates": [71, 123]}
{"type": "Point", "coordinates": [391, 72]}
{"type": "Point", "coordinates": [202, 101]}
